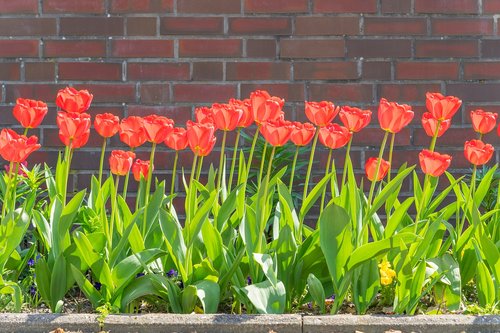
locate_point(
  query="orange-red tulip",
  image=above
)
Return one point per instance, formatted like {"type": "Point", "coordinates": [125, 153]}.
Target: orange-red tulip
{"type": "Point", "coordinates": [483, 122]}
{"type": "Point", "coordinates": [132, 131]}
{"type": "Point", "coordinates": [16, 148]}
{"type": "Point", "coordinates": [276, 132]}
{"type": "Point", "coordinates": [177, 139]}
{"type": "Point", "coordinates": [71, 100]}
{"type": "Point", "coordinates": [226, 116]}
{"type": "Point", "coordinates": [302, 134]}
{"type": "Point", "coordinates": [393, 117]}
{"type": "Point", "coordinates": [120, 162]}
{"type": "Point", "coordinates": [30, 113]}
{"type": "Point", "coordinates": [106, 124]}
{"type": "Point", "coordinates": [371, 168]}
{"type": "Point", "coordinates": [266, 107]}
{"type": "Point", "coordinates": [74, 128]}
{"type": "Point", "coordinates": [157, 127]}
{"type": "Point", "coordinates": [334, 136]}
{"type": "Point", "coordinates": [201, 137]}
{"type": "Point", "coordinates": [140, 168]}
{"type": "Point", "coordinates": [429, 123]}
{"type": "Point", "coordinates": [442, 107]}
{"type": "Point", "coordinates": [355, 119]}
{"type": "Point", "coordinates": [434, 164]}
{"type": "Point", "coordinates": [477, 152]}
{"type": "Point", "coordinates": [204, 115]}
{"type": "Point", "coordinates": [321, 113]}
{"type": "Point", "coordinates": [246, 108]}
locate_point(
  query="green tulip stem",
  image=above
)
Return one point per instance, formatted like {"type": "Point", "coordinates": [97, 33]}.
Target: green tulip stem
{"type": "Point", "coordinates": [174, 171]}
{"type": "Point", "coordinates": [189, 202]}
{"type": "Point", "coordinates": [347, 154]}
{"type": "Point", "coordinates": [309, 167]}
{"type": "Point", "coordinates": [327, 170]}
{"type": "Point", "coordinates": [198, 170]}
{"type": "Point", "coordinates": [25, 131]}
{"type": "Point", "coordinates": [293, 168]}
{"type": "Point", "coordinates": [221, 161]}
{"type": "Point", "coordinates": [379, 162]}
{"type": "Point", "coordinates": [261, 170]}
{"type": "Point", "coordinates": [472, 190]}
{"type": "Point", "coordinates": [262, 224]}
{"type": "Point", "coordinates": [391, 149]}
{"type": "Point", "coordinates": [434, 137]}
{"type": "Point", "coordinates": [101, 162]}
{"type": "Point", "coordinates": [7, 190]}
{"type": "Point", "coordinates": [113, 214]}
{"type": "Point", "coordinates": [233, 160]}
{"type": "Point", "coordinates": [125, 184]}
{"type": "Point", "coordinates": [148, 189]}
{"type": "Point", "coordinates": [255, 137]}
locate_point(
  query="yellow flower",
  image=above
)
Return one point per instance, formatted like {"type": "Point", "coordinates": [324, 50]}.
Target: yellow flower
{"type": "Point", "coordinates": [386, 273]}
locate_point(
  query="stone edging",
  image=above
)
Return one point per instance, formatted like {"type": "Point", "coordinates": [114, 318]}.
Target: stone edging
{"type": "Point", "coordinates": [156, 323]}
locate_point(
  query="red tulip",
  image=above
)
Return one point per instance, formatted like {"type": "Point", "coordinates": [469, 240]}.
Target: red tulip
{"type": "Point", "coordinates": [140, 168]}
{"type": "Point", "coordinates": [477, 152]}
{"type": "Point", "coordinates": [434, 164]}
{"type": "Point", "coordinates": [21, 171]}
{"type": "Point", "coordinates": [177, 139]}
{"type": "Point", "coordinates": [120, 162]}
{"type": "Point", "coordinates": [200, 137]}
{"type": "Point", "coordinates": [74, 128]}
{"type": "Point", "coordinates": [266, 107]}
{"type": "Point", "coordinates": [16, 148]}
{"type": "Point", "coordinates": [204, 115]}
{"type": "Point", "coordinates": [106, 124]}
{"type": "Point", "coordinates": [157, 127]}
{"type": "Point", "coordinates": [483, 122]}
{"type": "Point", "coordinates": [442, 107]}
{"type": "Point", "coordinates": [355, 119]}
{"type": "Point", "coordinates": [371, 168]}
{"type": "Point", "coordinates": [246, 108]}
{"type": "Point", "coordinates": [226, 116]}
{"type": "Point", "coordinates": [71, 100]}
{"type": "Point", "coordinates": [276, 132]}
{"type": "Point", "coordinates": [132, 131]}
{"type": "Point", "coordinates": [334, 136]}
{"type": "Point", "coordinates": [302, 134]}
{"type": "Point", "coordinates": [321, 113]}
{"type": "Point", "coordinates": [393, 117]}
{"type": "Point", "coordinates": [429, 123]}
{"type": "Point", "coordinates": [30, 113]}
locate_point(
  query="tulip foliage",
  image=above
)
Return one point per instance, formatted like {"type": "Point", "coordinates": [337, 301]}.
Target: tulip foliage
{"type": "Point", "coordinates": [242, 234]}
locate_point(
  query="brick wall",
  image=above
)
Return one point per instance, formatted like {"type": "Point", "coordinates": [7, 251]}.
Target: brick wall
{"type": "Point", "coordinates": [168, 56]}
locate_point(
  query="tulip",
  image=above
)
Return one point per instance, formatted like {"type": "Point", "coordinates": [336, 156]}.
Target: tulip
{"type": "Point", "coordinates": [334, 136]}
{"type": "Point", "coordinates": [302, 134]}
{"type": "Point", "coordinates": [201, 137]}
{"type": "Point", "coordinates": [132, 131]}
{"type": "Point", "coordinates": [16, 148]}
{"type": "Point", "coordinates": [246, 108]}
{"type": "Point", "coordinates": [321, 113]}
{"type": "Point", "coordinates": [157, 128]}
{"type": "Point", "coordinates": [483, 122]}
{"type": "Point", "coordinates": [430, 125]}
{"type": "Point", "coordinates": [277, 132]}
{"type": "Point", "coordinates": [226, 116]}
{"type": "Point", "coordinates": [371, 167]}
{"type": "Point", "coordinates": [477, 152]}
{"type": "Point", "coordinates": [434, 164]}
{"type": "Point", "coordinates": [442, 107]}
{"type": "Point", "coordinates": [393, 117]}
{"type": "Point", "coordinates": [140, 169]}
{"type": "Point", "coordinates": [177, 139]}
{"type": "Point", "coordinates": [71, 100]}
{"type": "Point", "coordinates": [204, 115]}
{"type": "Point", "coordinates": [355, 119]}
{"type": "Point", "coordinates": [74, 128]}
{"type": "Point", "coordinates": [106, 124]}
{"type": "Point", "coordinates": [29, 113]}
{"type": "Point", "coordinates": [120, 162]}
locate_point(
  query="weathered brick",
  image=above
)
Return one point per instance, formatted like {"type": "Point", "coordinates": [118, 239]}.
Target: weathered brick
{"type": "Point", "coordinates": [276, 6]}
{"type": "Point", "coordinates": [326, 25]}
{"type": "Point", "coordinates": [40, 71]}
{"type": "Point", "coordinates": [474, 92]}
{"type": "Point", "coordinates": [378, 48]}
{"type": "Point", "coordinates": [144, 48]}
{"type": "Point", "coordinates": [351, 6]}
{"type": "Point", "coordinates": [18, 48]}
{"type": "Point", "coordinates": [489, 70]}
{"type": "Point", "coordinates": [73, 6]}
{"type": "Point", "coordinates": [142, 6]}
{"type": "Point", "coordinates": [241, 71]}
{"type": "Point", "coordinates": [260, 26]}
{"type": "Point", "coordinates": [452, 137]}
{"type": "Point", "coordinates": [74, 48]}
{"type": "Point", "coordinates": [155, 93]}
{"type": "Point", "coordinates": [376, 70]}
{"type": "Point", "coordinates": [19, 6]}
{"type": "Point", "coordinates": [339, 70]}
{"type": "Point", "coordinates": [446, 6]}
{"type": "Point", "coordinates": [146, 71]}
{"type": "Point", "coordinates": [203, 92]}
{"type": "Point", "coordinates": [28, 27]}
{"type": "Point", "coordinates": [395, 6]}
{"type": "Point", "coordinates": [312, 48]}
{"type": "Point", "coordinates": [90, 71]}
{"type": "Point", "coordinates": [291, 92]}
{"type": "Point", "coordinates": [490, 48]}
{"type": "Point", "coordinates": [373, 136]}
{"type": "Point", "coordinates": [395, 26]}
{"type": "Point", "coordinates": [462, 26]}
{"type": "Point", "coordinates": [446, 48]}
{"type": "Point", "coordinates": [210, 48]}
{"type": "Point", "coordinates": [209, 7]}
{"type": "Point", "coordinates": [410, 70]}
{"type": "Point", "coordinates": [341, 92]}
{"type": "Point", "coordinates": [191, 25]}
{"type": "Point", "coordinates": [141, 26]}
{"type": "Point", "coordinates": [208, 71]}
{"type": "Point", "coordinates": [44, 92]}
{"type": "Point", "coordinates": [10, 71]}
{"type": "Point", "coordinates": [491, 6]}
{"type": "Point", "coordinates": [261, 48]}
{"type": "Point", "coordinates": [404, 92]}
{"type": "Point", "coordinates": [180, 114]}
{"type": "Point", "coordinates": [110, 92]}
{"type": "Point", "coordinates": [91, 26]}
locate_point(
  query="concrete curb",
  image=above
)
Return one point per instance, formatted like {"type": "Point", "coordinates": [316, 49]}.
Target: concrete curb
{"type": "Point", "coordinates": [155, 323]}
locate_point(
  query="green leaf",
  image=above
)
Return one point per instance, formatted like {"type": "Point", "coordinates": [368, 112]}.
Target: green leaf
{"type": "Point", "coordinates": [484, 186]}
{"type": "Point", "coordinates": [365, 285]}
{"type": "Point", "coordinates": [140, 287]}
{"type": "Point", "coordinates": [208, 292]}
{"type": "Point", "coordinates": [200, 217]}
{"type": "Point", "coordinates": [58, 281]}
{"type": "Point", "coordinates": [172, 231]}
{"type": "Point", "coordinates": [88, 289]}
{"type": "Point", "coordinates": [317, 292]}
{"type": "Point", "coordinates": [227, 208]}
{"type": "Point", "coordinates": [266, 298]}
{"type": "Point", "coordinates": [42, 278]}
{"type": "Point", "coordinates": [397, 217]}
{"type": "Point", "coordinates": [313, 196]}
{"type": "Point", "coordinates": [485, 285]}
{"type": "Point", "coordinates": [266, 263]}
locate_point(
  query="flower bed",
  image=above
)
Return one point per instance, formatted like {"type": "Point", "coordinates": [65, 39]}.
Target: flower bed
{"type": "Point", "coordinates": [243, 248]}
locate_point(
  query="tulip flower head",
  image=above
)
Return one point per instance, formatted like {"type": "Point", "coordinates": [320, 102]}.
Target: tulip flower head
{"type": "Point", "coordinates": [355, 119]}
{"type": "Point", "coordinates": [16, 148]}
{"type": "Point", "coordinates": [429, 123]}
{"type": "Point", "coordinates": [246, 108]}
{"type": "Point", "coordinates": [371, 169]}
{"type": "Point", "coordinates": [477, 152]}
{"type": "Point", "coordinates": [483, 122]}
{"type": "Point", "coordinates": [393, 117]}
{"type": "Point", "coordinates": [71, 100]}
{"type": "Point", "coordinates": [132, 131]}
{"type": "Point", "coordinates": [29, 113]}
{"type": "Point", "coordinates": [106, 124]}
{"type": "Point", "coordinates": [277, 132]}
{"type": "Point", "coordinates": [302, 134]}
{"type": "Point", "coordinates": [74, 128]}
{"type": "Point", "coordinates": [120, 162]}
{"type": "Point", "coordinates": [433, 163]}
{"type": "Point", "coordinates": [140, 169]}
{"type": "Point", "coordinates": [226, 116]}
{"type": "Point", "coordinates": [321, 113]}
{"type": "Point", "coordinates": [334, 136]}
{"type": "Point", "coordinates": [177, 139]}
{"type": "Point", "coordinates": [266, 107]}
{"type": "Point", "coordinates": [442, 107]}
{"type": "Point", "coordinates": [204, 115]}
{"type": "Point", "coordinates": [200, 137]}
{"type": "Point", "coordinates": [157, 128]}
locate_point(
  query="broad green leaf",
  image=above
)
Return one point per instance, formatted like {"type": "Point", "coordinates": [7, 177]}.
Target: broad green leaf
{"type": "Point", "coordinates": [208, 292]}
{"type": "Point", "coordinates": [365, 285]}
{"type": "Point", "coordinates": [172, 231]}
{"type": "Point", "coordinates": [88, 289]}
{"type": "Point", "coordinates": [199, 218]}
{"type": "Point", "coordinates": [485, 285]}
{"type": "Point", "coordinates": [397, 217]}
{"type": "Point", "coordinates": [58, 281]}
{"type": "Point", "coordinates": [266, 298]}
{"type": "Point", "coordinates": [268, 267]}
{"type": "Point", "coordinates": [42, 278]}
{"type": "Point", "coordinates": [317, 292]}
{"type": "Point", "coordinates": [313, 196]}
{"type": "Point", "coordinates": [140, 287]}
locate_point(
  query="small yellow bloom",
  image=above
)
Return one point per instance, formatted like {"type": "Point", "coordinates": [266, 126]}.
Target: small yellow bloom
{"type": "Point", "coordinates": [386, 273]}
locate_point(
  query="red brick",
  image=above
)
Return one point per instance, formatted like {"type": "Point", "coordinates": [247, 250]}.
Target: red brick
{"type": "Point", "coordinates": [339, 70]}
{"type": "Point", "coordinates": [260, 26]}
{"type": "Point", "coordinates": [110, 92]}
{"type": "Point", "coordinates": [146, 71]}
{"type": "Point", "coordinates": [395, 6]}
{"type": "Point", "coordinates": [19, 6]}
{"type": "Point", "coordinates": [209, 7]}
{"type": "Point", "coordinates": [208, 71]}
{"type": "Point", "coordinates": [446, 6]}
{"type": "Point", "coordinates": [482, 70]}
{"type": "Point", "coordinates": [141, 26]}
{"type": "Point", "coordinates": [376, 70]}
{"type": "Point", "coordinates": [191, 25]}
{"type": "Point", "coordinates": [326, 25]}
{"type": "Point", "coordinates": [75, 48]}
{"type": "Point", "coordinates": [446, 48]}
{"type": "Point", "coordinates": [18, 48]}
{"type": "Point", "coordinates": [461, 26]}
{"type": "Point", "coordinates": [427, 70]}
{"type": "Point", "coordinates": [44, 92]}
{"type": "Point", "coordinates": [475, 92]}
{"type": "Point", "coordinates": [341, 92]}
{"type": "Point", "coordinates": [291, 92]}
{"type": "Point", "coordinates": [374, 136]}
{"type": "Point", "coordinates": [378, 48]}
{"type": "Point", "coordinates": [144, 48]}
{"type": "Point", "coordinates": [90, 71]}
{"type": "Point", "coordinates": [452, 137]}
{"type": "Point", "coordinates": [261, 48]}
{"type": "Point", "coordinates": [312, 48]}
{"type": "Point", "coordinates": [180, 114]}
{"type": "Point", "coordinates": [276, 6]}
{"type": "Point", "coordinates": [343, 6]}
{"type": "Point", "coordinates": [155, 93]}
{"type": "Point", "coordinates": [91, 26]}
{"type": "Point", "coordinates": [142, 6]}
{"type": "Point", "coordinates": [210, 48]}
{"type": "Point", "coordinates": [241, 71]}
{"type": "Point", "coordinates": [10, 71]}
{"type": "Point", "coordinates": [28, 27]}
{"type": "Point", "coordinates": [39, 71]}
{"type": "Point", "coordinates": [395, 26]}
{"type": "Point", "coordinates": [203, 93]}
{"type": "Point", "coordinates": [404, 93]}
{"type": "Point", "coordinates": [73, 6]}
{"type": "Point", "coordinates": [491, 6]}
{"type": "Point", "coordinates": [490, 48]}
